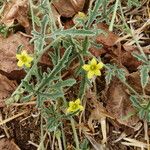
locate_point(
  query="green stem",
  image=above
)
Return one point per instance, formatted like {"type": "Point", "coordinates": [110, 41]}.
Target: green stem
{"type": "Point", "coordinates": [75, 133]}
{"type": "Point", "coordinates": [32, 14]}
{"type": "Point", "coordinates": [63, 138]}
{"type": "Point", "coordinates": [58, 137]}
{"type": "Point", "coordinates": [52, 18]}
{"type": "Point", "coordinates": [114, 15]}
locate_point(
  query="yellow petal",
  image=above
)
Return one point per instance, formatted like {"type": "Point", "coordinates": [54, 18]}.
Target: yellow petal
{"type": "Point", "coordinates": [90, 74]}
{"type": "Point", "coordinates": [81, 15]}
{"type": "Point", "coordinates": [71, 103]}
{"type": "Point", "coordinates": [29, 59]}
{"type": "Point", "coordinates": [97, 72]}
{"type": "Point", "coordinates": [20, 63]}
{"type": "Point", "coordinates": [86, 67]}
{"type": "Point", "coordinates": [28, 65]}
{"type": "Point", "coordinates": [78, 101]}
{"type": "Point", "coordinates": [24, 53]}
{"type": "Point", "coordinates": [18, 56]}
{"type": "Point", "coordinates": [68, 110]}
{"type": "Point", "coordinates": [81, 107]}
{"type": "Point", "coordinates": [93, 62]}
{"type": "Point", "coordinates": [100, 65]}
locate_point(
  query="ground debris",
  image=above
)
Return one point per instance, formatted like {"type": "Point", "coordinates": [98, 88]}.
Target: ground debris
{"type": "Point", "coordinates": [16, 10]}
{"type": "Point", "coordinates": [6, 88]}
{"type": "Point", "coordinates": [119, 104]}
{"type": "Point", "coordinates": [68, 8]}
{"type": "Point", "coordinates": [6, 144]}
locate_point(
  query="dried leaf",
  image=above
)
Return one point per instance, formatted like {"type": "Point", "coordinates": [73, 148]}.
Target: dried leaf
{"type": "Point", "coordinates": [16, 10]}
{"type": "Point", "coordinates": [134, 81]}
{"type": "Point", "coordinates": [8, 48]}
{"type": "Point", "coordinates": [6, 144]}
{"type": "Point", "coordinates": [107, 40]}
{"type": "Point", "coordinates": [6, 88]}
{"type": "Point", "coordinates": [68, 8]}
{"type": "Point", "coordinates": [119, 104]}
{"type": "Point", "coordinates": [99, 113]}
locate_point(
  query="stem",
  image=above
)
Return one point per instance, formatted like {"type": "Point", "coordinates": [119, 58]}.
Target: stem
{"type": "Point", "coordinates": [63, 138]}
{"type": "Point", "coordinates": [51, 18]}
{"type": "Point", "coordinates": [32, 14]}
{"type": "Point", "coordinates": [59, 144]}
{"type": "Point", "coordinates": [42, 134]}
{"type": "Point", "coordinates": [75, 133]}
{"type": "Point", "coordinates": [114, 15]}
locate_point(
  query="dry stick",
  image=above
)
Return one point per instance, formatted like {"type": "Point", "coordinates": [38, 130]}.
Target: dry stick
{"type": "Point", "coordinates": [4, 127]}
{"type": "Point", "coordinates": [34, 144]}
{"type": "Point", "coordinates": [146, 134]}
{"type": "Point", "coordinates": [12, 118]}
{"type": "Point", "coordinates": [136, 41]}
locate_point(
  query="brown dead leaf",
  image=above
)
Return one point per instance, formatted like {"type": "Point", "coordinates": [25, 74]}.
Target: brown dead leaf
{"type": "Point", "coordinates": [6, 144]}
{"type": "Point", "coordinates": [99, 113]}
{"type": "Point", "coordinates": [134, 81]}
{"type": "Point", "coordinates": [8, 48]}
{"type": "Point", "coordinates": [97, 110]}
{"type": "Point", "coordinates": [16, 10]}
{"type": "Point", "coordinates": [6, 88]}
{"type": "Point", "coordinates": [107, 40]}
{"type": "Point", "coordinates": [119, 104]}
{"type": "Point", "coordinates": [68, 8]}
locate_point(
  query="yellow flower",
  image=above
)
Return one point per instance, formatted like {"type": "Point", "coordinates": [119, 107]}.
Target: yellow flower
{"type": "Point", "coordinates": [81, 15]}
{"type": "Point", "coordinates": [93, 68]}
{"type": "Point", "coordinates": [24, 59]}
{"type": "Point", "coordinates": [75, 106]}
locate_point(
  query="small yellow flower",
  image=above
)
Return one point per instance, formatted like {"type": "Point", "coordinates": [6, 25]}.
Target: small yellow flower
{"type": "Point", "coordinates": [93, 68]}
{"type": "Point", "coordinates": [24, 59]}
{"type": "Point", "coordinates": [81, 15]}
{"type": "Point", "coordinates": [75, 106]}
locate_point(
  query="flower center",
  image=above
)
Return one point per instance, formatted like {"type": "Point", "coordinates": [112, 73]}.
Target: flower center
{"type": "Point", "coordinates": [93, 67]}
{"type": "Point", "coordinates": [23, 58]}
{"type": "Point", "coordinates": [75, 106]}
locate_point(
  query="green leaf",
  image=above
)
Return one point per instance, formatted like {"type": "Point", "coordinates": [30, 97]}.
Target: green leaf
{"type": "Point", "coordinates": [121, 74]}
{"type": "Point", "coordinates": [28, 87]}
{"type": "Point", "coordinates": [131, 3]}
{"type": "Point", "coordinates": [148, 117]}
{"type": "Point", "coordinates": [139, 57]}
{"type": "Point", "coordinates": [82, 86]}
{"type": "Point", "coordinates": [85, 45]}
{"type": "Point", "coordinates": [109, 75]}
{"type": "Point", "coordinates": [73, 32]}
{"type": "Point", "coordinates": [68, 82]}
{"type": "Point", "coordinates": [84, 145]}
{"type": "Point", "coordinates": [135, 102]}
{"type": "Point", "coordinates": [93, 14]}
{"type": "Point", "coordinates": [53, 124]}
{"type": "Point", "coordinates": [52, 96]}
{"type": "Point", "coordinates": [61, 64]}
{"type": "Point", "coordinates": [142, 113]}
{"type": "Point", "coordinates": [144, 74]}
